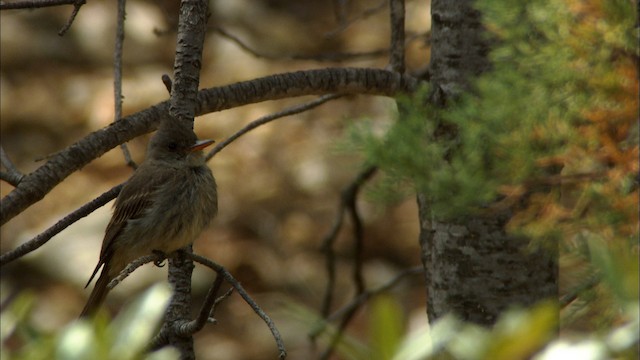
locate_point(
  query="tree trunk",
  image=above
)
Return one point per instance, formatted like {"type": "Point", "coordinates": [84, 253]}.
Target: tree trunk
{"type": "Point", "coordinates": [473, 268]}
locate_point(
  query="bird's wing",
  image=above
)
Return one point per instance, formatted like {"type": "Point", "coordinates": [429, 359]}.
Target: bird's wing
{"type": "Point", "coordinates": [136, 196]}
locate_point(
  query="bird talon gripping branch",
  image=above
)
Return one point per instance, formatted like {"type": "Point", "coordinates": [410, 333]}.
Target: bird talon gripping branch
{"type": "Point", "coordinates": [161, 257]}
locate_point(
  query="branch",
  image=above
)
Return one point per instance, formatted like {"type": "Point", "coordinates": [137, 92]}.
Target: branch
{"type": "Point", "coordinates": [12, 176]}
{"type": "Point", "coordinates": [348, 311]}
{"type": "Point", "coordinates": [157, 258]}
{"type": "Point", "coordinates": [268, 118]}
{"type": "Point", "coordinates": [192, 26]}
{"type": "Point", "coordinates": [344, 24]}
{"type": "Point", "coordinates": [76, 8]}
{"type": "Point", "coordinates": [396, 60]}
{"type": "Point", "coordinates": [360, 300]}
{"type": "Point", "coordinates": [236, 285]}
{"type": "Point", "coordinates": [117, 77]}
{"type": "Point", "coordinates": [572, 295]}
{"type": "Point", "coordinates": [341, 81]}
{"type": "Point", "coordinates": [341, 56]}
{"type": "Point", "coordinates": [44, 236]}
{"type": "Point", "coordinates": [206, 311]}
{"type": "Point", "coordinates": [33, 4]}
{"type": "Point", "coordinates": [347, 204]}
{"type": "Point", "coordinates": [38, 183]}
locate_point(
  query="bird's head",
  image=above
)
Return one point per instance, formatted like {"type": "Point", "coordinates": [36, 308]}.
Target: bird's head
{"type": "Point", "coordinates": [175, 142]}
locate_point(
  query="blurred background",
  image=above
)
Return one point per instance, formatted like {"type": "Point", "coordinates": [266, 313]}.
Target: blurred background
{"type": "Point", "coordinates": [279, 185]}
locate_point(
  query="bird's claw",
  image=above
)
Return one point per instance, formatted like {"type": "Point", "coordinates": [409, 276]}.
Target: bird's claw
{"type": "Point", "coordinates": [161, 258]}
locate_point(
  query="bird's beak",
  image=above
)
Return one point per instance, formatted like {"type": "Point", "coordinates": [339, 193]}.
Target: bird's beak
{"type": "Point", "coordinates": [201, 144]}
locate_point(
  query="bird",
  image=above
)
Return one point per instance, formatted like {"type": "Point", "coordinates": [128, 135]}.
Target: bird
{"type": "Point", "coordinates": [164, 206]}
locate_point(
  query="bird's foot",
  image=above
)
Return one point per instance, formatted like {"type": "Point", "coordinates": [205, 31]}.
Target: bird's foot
{"type": "Point", "coordinates": [161, 258]}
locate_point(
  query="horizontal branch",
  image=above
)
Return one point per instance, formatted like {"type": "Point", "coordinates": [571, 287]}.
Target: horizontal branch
{"type": "Point", "coordinates": [343, 81]}
{"type": "Point", "coordinates": [33, 4]}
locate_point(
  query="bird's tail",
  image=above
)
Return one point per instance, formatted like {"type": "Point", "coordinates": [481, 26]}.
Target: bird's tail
{"type": "Point", "coordinates": [98, 294]}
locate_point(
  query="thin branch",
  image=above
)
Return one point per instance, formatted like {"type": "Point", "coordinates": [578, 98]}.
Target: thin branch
{"type": "Point", "coordinates": [117, 76]}
{"type": "Point", "coordinates": [76, 8]}
{"type": "Point", "coordinates": [342, 81]}
{"type": "Point", "coordinates": [34, 4]}
{"type": "Point", "coordinates": [368, 294]}
{"type": "Point", "coordinates": [351, 195]}
{"type": "Point", "coordinates": [397, 13]}
{"type": "Point", "coordinates": [12, 176]}
{"type": "Point", "coordinates": [156, 258]}
{"type": "Point", "coordinates": [203, 317]}
{"type": "Point", "coordinates": [6, 162]}
{"type": "Point", "coordinates": [344, 25]}
{"type": "Point", "coordinates": [572, 295]}
{"type": "Point", "coordinates": [166, 80]}
{"type": "Point", "coordinates": [341, 56]}
{"type": "Point", "coordinates": [347, 204]}
{"type": "Point", "coordinates": [268, 118]}
{"type": "Point", "coordinates": [44, 236]}
{"type": "Point", "coordinates": [347, 312]}
{"type": "Point", "coordinates": [236, 285]}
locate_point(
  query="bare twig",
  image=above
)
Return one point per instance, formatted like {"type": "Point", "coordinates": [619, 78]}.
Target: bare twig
{"type": "Point", "coordinates": [196, 325]}
{"type": "Point", "coordinates": [236, 285]}
{"type": "Point", "coordinates": [341, 56]}
{"type": "Point", "coordinates": [344, 25]}
{"type": "Point", "coordinates": [76, 215]}
{"type": "Point", "coordinates": [34, 4]}
{"type": "Point", "coordinates": [397, 13]}
{"type": "Point", "coordinates": [347, 312]}
{"type": "Point", "coordinates": [572, 295]}
{"type": "Point", "coordinates": [266, 119]}
{"type": "Point", "coordinates": [368, 294]}
{"type": "Point", "coordinates": [12, 176]}
{"type": "Point", "coordinates": [117, 76]}
{"type": "Point", "coordinates": [76, 8]}
{"type": "Point", "coordinates": [347, 205]}
{"type": "Point", "coordinates": [156, 258]}
{"type": "Point", "coordinates": [189, 328]}
{"type": "Point", "coordinates": [166, 80]}
{"type": "Point", "coordinates": [6, 162]}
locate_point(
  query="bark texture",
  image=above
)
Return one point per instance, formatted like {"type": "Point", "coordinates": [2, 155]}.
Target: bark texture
{"type": "Point", "coordinates": [472, 267]}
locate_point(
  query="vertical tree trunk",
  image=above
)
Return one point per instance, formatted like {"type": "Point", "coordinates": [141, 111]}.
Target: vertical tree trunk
{"type": "Point", "coordinates": [472, 267]}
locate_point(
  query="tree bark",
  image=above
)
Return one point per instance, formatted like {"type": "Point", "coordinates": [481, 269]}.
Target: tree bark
{"type": "Point", "coordinates": [473, 268]}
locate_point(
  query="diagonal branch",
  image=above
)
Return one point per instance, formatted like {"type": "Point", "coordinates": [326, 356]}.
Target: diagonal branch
{"type": "Point", "coordinates": [340, 56]}
{"type": "Point", "coordinates": [46, 235]}
{"type": "Point", "coordinates": [12, 176]}
{"type": "Point", "coordinates": [341, 81]}
{"type": "Point", "coordinates": [236, 285]}
{"type": "Point", "coordinates": [271, 117]}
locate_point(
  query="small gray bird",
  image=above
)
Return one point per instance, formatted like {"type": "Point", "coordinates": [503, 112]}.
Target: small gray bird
{"type": "Point", "coordinates": [164, 206]}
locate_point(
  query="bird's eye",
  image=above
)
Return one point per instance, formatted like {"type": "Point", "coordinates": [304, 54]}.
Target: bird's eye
{"type": "Point", "coordinates": [172, 146]}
